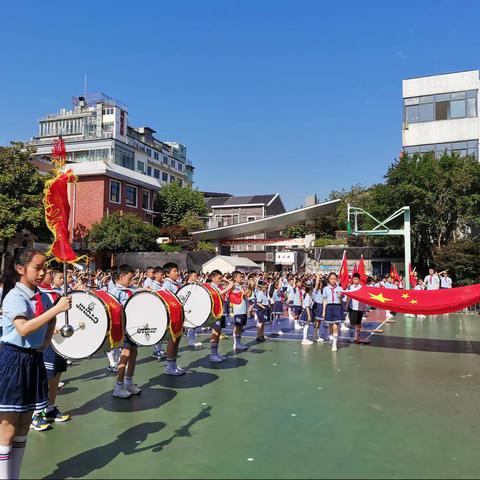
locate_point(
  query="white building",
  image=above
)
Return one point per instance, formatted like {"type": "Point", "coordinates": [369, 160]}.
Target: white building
{"type": "Point", "coordinates": [97, 128]}
{"type": "Point", "coordinates": [440, 113]}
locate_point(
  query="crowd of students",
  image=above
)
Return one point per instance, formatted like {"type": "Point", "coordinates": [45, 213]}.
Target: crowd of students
{"type": "Point", "coordinates": [30, 369]}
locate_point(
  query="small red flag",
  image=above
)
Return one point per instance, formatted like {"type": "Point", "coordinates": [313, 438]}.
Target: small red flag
{"type": "Point", "coordinates": [343, 276]}
{"type": "Point", "coordinates": [355, 269]}
{"type": "Point", "coordinates": [361, 271]}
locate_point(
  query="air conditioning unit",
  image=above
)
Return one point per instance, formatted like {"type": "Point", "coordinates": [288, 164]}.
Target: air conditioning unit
{"type": "Point", "coordinates": [405, 126]}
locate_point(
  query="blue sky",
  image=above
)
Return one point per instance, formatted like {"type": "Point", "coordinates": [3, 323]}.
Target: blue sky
{"type": "Point", "coordinates": [296, 97]}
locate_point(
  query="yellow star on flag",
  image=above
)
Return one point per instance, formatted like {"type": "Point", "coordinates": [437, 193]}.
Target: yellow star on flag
{"type": "Point", "coordinates": [379, 297]}
{"type": "Point", "coordinates": [405, 295]}
{"type": "Point", "coordinates": [413, 302]}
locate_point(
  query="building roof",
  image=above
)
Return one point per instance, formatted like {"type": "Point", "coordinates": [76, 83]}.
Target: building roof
{"type": "Point", "coordinates": [231, 261]}
{"type": "Point", "coordinates": [84, 169]}
{"type": "Point", "coordinates": [274, 223]}
{"type": "Point", "coordinates": [241, 201]}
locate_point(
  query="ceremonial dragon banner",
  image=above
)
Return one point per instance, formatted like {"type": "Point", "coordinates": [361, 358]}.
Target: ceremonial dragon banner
{"type": "Point", "coordinates": [418, 302]}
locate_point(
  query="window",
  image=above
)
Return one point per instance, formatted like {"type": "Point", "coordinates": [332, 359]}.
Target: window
{"type": "Point", "coordinates": [141, 167]}
{"type": "Point", "coordinates": [124, 157]}
{"type": "Point", "coordinates": [165, 160]}
{"type": "Point", "coordinates": [443, 106]}
{"type": "Point", "coordinates": [149, 152]}
{"type": "Point", "coordinates": [165, 177]}
{"type": "Point", "coordinates": [130, 196]}
{"type": "Point", "coordinates": [114, 191]}
{"type": "Point", "coordinates": [172, 163]}
{"type": "Point", "coordinates": [108, 127]}
{"type": "Point", "coordinates": [146, 200]}
{"type": "Point", "coordinates": [469, 147]}
{"type": "Point", "coordinates": [180, 166]}
{"type": "Point", "coordinates": [172, 178]}
{"type": "Point", "coordinates": [155, 155]}
{"type": "Point", "coordinates": [149, 171]}
{"type": "Point", "coordinates": [250, 219]}
{"type": "Point", "coordinates": [156, 173]}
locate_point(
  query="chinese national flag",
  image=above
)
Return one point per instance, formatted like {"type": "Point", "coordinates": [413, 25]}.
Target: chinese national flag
{"type": "Point", "coordinates": [344, 271]}
{"type": "Point", "coordinates": [418, 302]}
{"type": "Point", "coordinates": [361, 271]}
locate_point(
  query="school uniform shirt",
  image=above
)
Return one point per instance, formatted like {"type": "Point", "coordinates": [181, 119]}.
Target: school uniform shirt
{"type": "Point", "coordinates": [148, 282]}
{"type": "Point", "coordinates": [391, 286]}
{"type": "Point", "coordinates": [276, 296]}
{"type": "Point", "coordinates": [262, 298]}
{"type": "Point", "coordinates": [242, 307]}
{"type": "Point", "coordinates": [432, 282]}
{"type": "Point", "coordinates": [21, 301]}
{"type": "Point", "coordinates": [156, 286]}
{"type": "Point", "coordinates": [290, 290]}
{"type": "Point", "coordinates": [121, 293]}
{"type": "Point", "coordinates": [418, 287]}
{"type": "Point", "coordinates": [445, 282]}
{"type": "Point", "coordinates": [332, 294]}
{"type": "Point", "coordinates": [297, 297]}
{"type": "Point", "coordinates": [170, 286]}
{"type": "Point", "coordinates": [307, 301]}
{"type": "Point", "coordinates": [355, 304]}
{"type": "Point", "coordinates": [317, 296]}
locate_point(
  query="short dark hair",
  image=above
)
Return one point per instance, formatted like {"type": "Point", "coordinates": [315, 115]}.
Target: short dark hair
{"type": "Point", "coordinates": [149, 268]}
{"type": "Point", "coordinates": [191, 272]}
{"type": "Point", "coordinates": [158, 269]}
{"type": "Point", "coordinates": [124, 269]}
{"type": "Point", "coordinates": [168, 267]}
{"type": "Point", "coordinates": [356, 275]}
{"type": "Point", "coordinates": [56, 270]}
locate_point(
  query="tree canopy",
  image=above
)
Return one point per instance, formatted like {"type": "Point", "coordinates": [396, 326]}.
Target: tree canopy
{"type": "Point", "coordinates": [122, 233]}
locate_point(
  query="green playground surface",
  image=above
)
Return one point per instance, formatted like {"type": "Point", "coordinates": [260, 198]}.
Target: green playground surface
{"type": "Point", "coordinates": [405, 406]}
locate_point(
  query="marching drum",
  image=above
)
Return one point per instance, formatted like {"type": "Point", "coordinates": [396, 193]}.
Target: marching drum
{"type": "Point", "coordinates": [90, 318]}
{"type": "Point", "coordinates": [147, 318]}
{"type": "Point", "coordinates": [202, 304]}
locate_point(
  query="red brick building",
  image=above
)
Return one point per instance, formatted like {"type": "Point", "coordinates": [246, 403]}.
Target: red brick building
{"type": "Point", "coordinates": [103, 188]}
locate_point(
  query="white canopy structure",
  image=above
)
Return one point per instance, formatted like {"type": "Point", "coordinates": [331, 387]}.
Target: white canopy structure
{"type": "Point", "coordinates": [230, 264]}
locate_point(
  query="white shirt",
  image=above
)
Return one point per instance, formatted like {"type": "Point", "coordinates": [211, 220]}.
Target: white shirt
{"type": "Point", "coordinates": [432, 282]}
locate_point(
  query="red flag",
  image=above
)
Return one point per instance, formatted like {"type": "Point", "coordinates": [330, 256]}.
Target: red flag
{"type": "Point", "coordinates": [413, 279]}
{"type": "Point", "coordinates": [343, 276]}
{"type": "Point", "coordinates": [418, 302]}
{"type": "Point", "coordinates": [355, 269]}
{"type": "Point", "coordinates": [361, 271]}
{"type": "Point", "coordinates": [57, 208]}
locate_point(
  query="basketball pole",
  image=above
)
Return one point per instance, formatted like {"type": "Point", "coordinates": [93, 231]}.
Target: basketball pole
{"type": "Point", "coordinates": [381, 228]}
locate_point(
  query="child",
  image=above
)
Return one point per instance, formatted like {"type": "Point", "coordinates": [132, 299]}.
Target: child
{"type": "Point", "coordinates": [238, 299]}
{"type": "Point", "coordinates": [192, 277]}
{"type": "Point", "coordinates": [263, 310]}
{"type": "Point", "coordinates": [277, 306]}
{"type": "Point", "coordinates": [156, 285]}
{"type": "Point", "coordinates": [332, 307]}
{"type": "Point", "coordinates": [55, 365]}
{"type": "Point", "coordinates": [28, 322]}
{"type": "Point", "coordinates": [214, 279]}
{"type": "Point", "coordinates": [391, 285]}
{"type": "Point", "coordinates": [297, 300]}
{"type": "Point", "coordinates": [306, 317]}
{"type": "Point", "coordinates": [356, 309]}
{"type": "Point", "coordinates": [123, 290]}
{"type": "Point", "coordinates": [171, 285]}
{"type": "Point", "coordinates": [149, 275]}
{"type": "Point", "coordinates": [432, 280]}
{"type": "Point", "coordinates": [317, 309]}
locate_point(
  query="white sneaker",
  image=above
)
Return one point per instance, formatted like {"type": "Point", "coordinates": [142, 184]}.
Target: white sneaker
{"type": "Point", "coordinates": [320, 340]}
{"type": "Point", "coordinates": [216, 359]}
{"type": "Point", "coordinates": [197, 344]}
{"type": "Point", "coordinates": [334, 345]}
{"type": "Point", "coordinates": [330, 337]}
{"type": "Point", "coordinates": [174, 370]}
{"type": "Point", "coordinates": [280, 332]}
{"type": "Point", "coordinates": [306, 341]}
{"type": "Point", "coordinates": [121, 392]}
{"type": "Point", "coordinates": [344, 328]}
{"type": "Point", "coordinates": [297, 325]}
{"type": "Point", "coordinates": [133, 389]}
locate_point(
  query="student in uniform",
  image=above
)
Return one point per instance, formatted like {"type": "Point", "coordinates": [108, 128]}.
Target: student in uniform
{"type": "Point", "coordinates": [277, 306]}
{"type": "Point", "coordinates": [124, 386]}
{"type": "Point", "coordinates": [306, 317]}
{"type": "Point", "coordinates": [215, 279]}
{"type": "Point", "coordinates": [445, 280]}
{"type": "Point", "coordinates": [172, 285]}
{"type": "Point", "coordinates": [28, 321]}
{"type": "Point", "coordinates": [55, 364]}
{"type": "Point", "coordinates": [156, 285]}
{"type": "Point", "coordinates": [332, 307]}
{"type": "Point", "coordinates": [263, 309]}
{"type": "Point", "coordinates": [239, 302]}
{"type": "Point", "coordinates": [317, 309]}
{"type": "Point", "coordinates": [149, 275]}
{"type": "Point", "coordinates": [356, 309]}
{"type": "Point", "coordinates": [389, 283]}
{"type": "Point", "coordinates": [192, 277]}
{"type": "Point", "coordinates": [289, 296]}
{"type": "Point", "coordinates": [297, 300]}
{"type": "Point", "coordinates": [432, 280]}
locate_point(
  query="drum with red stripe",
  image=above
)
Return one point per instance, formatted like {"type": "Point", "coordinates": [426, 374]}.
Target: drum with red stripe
{"type": "Point", "coordinates": [202, 304]}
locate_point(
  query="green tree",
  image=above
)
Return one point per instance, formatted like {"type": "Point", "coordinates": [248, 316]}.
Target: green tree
{"type": "Point", "coordinates": [122, 233]}
{"type": "Point", "coordinates": [204, 246]}
{"type": "Point", "coordinates": [21, 192]}
{"type": "Point", "coordinates": [462, 260]}
{"type": "Point", "coordinates": [296, 231]}
{"type": "Point", "coordinates": [174, 201]}
{"type": "Point", "coordinates": [192, 222]}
